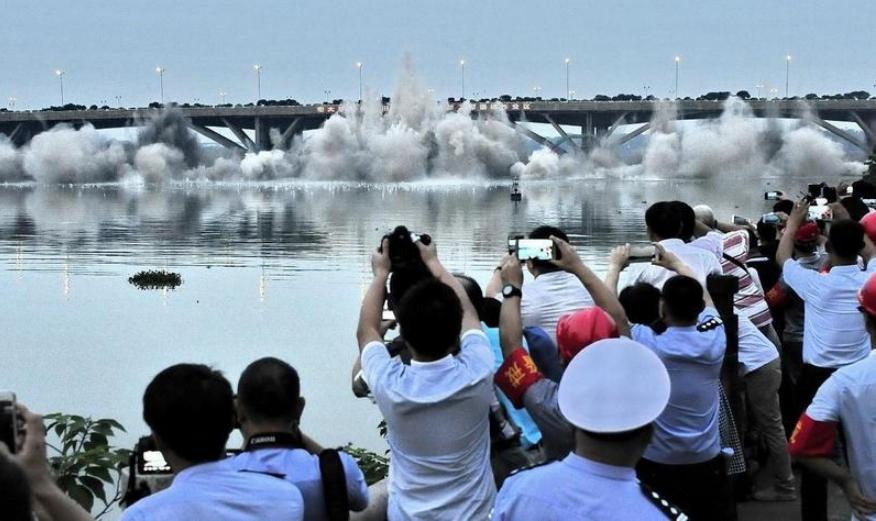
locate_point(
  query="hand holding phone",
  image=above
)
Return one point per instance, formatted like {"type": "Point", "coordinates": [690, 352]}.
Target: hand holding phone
{"type": "Point", "coordinates": [536, 249]}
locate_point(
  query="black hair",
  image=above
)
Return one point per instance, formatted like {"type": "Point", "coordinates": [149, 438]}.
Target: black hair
{"type": "Point", "coordinates": [856, 207]}
{"type": "Point", "coordinates": [545, 232]}
{"type": "Point", "coordinates": [401, 281]}
{"type": "Point", "coordinates": [784, 205]}
{"type": "Point", "coordinates": [767, 232]}
{"type": "Point", "coordinates": [864, 189]}
{"type": "Point", "coordinates": [870, 320]}
{"type": "Point", "coordinates": [645, 430]}
{"type": "Point", "coordinates": [473, 290]}
{"type": "Point", "coordinates": [269, 389]}
{"type": "Point", "coordinates": [846, 238]}
{"type": "Point", "coordinates": [664, 220]}
{"type": "Point", "coordinates": [641, 302]}
{"type": "Point", "coordinates": [688, 219]}
{"type": "Point", "coordinates": [683, 298]}
{"type": "Point", "coordinates": [15, 501]}
{"type": "Point", "coordinates": [430, 318]}
{"type": "Point", "coordinates": [191, 408]}
{"type": "Point", "coordinates": [490, 311]}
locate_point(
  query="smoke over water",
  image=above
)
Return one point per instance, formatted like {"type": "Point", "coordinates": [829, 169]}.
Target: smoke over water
{"type": "Point", "coordinates": [419, 139]}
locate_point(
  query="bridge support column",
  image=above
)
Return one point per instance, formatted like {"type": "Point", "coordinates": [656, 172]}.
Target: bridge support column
{"type": "Point", "coordinates": [217, 137]}
{"type": "Point", "coordinates": [262, 135]}
{"type": "Point", "coordinates": [245, 141]}
{"type": "Point", "coordinates": [294, 129]}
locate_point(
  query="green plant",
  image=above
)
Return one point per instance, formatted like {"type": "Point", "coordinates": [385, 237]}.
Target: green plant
{"type": "Point", "coordinates": [373, 465]}
{"type": "Point", "coordinates": [84, 463]}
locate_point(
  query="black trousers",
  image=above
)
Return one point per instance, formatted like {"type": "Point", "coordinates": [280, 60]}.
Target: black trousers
{"type": "Point", "coordinates": [701, 490]}
{"type": "Point", "coordinates": [792, 365]}
{"type": "Point", "coordinates": [813, 488]}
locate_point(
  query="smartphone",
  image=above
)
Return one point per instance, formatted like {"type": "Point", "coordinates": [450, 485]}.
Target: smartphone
{"type": "Point", "coordinates": [820, 213]}
{"type": "Point", "coordinates": [850, 190]}
{"type": "Point", "coordinates": [152, 462]}
{"type": "Point", "coordinates": [8, 420]}
{"type": "Point", "coordinates": [829, 193]}
{"type": "Point", "coordinates": [535, 249]}
{"type": "Point", "coordinates": [387, 315]}
{"type": "Point", "coordinates": [814, 190]}
{"type": "Point", "coordinates": [740, 221]}
{"type": "Point", "coordinates": [512, 241]}
{"type": "Point", "coordinates": [772, 196]}
{"type": "Point", "coordinates": [642, 252]}
{"type": "Point", "coordinates": [771, 218]}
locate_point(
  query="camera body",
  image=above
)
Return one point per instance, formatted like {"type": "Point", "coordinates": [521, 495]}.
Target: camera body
{"type": "Point", "coordinates": [10, 425]}
{"type": "Point", "coordinates": [403, 252]}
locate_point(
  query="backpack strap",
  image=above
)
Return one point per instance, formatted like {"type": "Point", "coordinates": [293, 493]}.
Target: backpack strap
{"type": "Point", "coordinates": [334, 485]}
{"type": "Point", "coordinates": [733, 260]}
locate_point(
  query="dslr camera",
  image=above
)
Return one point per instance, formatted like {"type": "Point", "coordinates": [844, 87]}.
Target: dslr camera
{"type": "Point", "coordinates": [403, 253]}
{"type": "Point", "coordinates": [148, 472]}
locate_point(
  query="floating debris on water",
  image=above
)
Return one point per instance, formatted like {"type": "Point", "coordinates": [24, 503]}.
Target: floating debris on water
{"type": "Point", "coordinates": [155, 279]}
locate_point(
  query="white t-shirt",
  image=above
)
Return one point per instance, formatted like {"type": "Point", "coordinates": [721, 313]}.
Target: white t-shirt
{"type": "Point", "coordinates": [701, 261]}
{"type": "Point", "coordinates": [438, 430]}
{"type": "Point", "coordinates": [833, 328]}
{"type": "Point", "coordinates": [849, 397]}
{"type": "Point", "coordinates": [755, 349]}
{"type": "Point", "coordinates": [550, 296]}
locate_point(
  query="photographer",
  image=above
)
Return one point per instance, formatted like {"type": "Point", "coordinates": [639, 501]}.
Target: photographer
{"type": "Point", "coordinates": [190, 410]}
{"type": "Point", "coordinates": [437, 408]}
{"type": "Point", "coordinates": [269, 407]}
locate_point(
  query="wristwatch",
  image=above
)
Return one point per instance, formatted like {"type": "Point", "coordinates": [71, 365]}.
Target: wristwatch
{"type": "Point", "coordinates": [509, 291]}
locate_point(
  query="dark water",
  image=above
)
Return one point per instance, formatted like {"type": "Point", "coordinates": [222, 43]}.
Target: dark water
{"type": "Point", "coordinates": [267, 270]}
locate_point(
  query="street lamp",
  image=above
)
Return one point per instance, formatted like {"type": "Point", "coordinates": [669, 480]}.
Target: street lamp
{"type": "Point", "coordinates": [571, 94]}
{"type": "Point", "coordinates": [536, 90]}
{"type": "Point", "coordinates": [568, 61]}
{"type": "Point", "coordinates": [328, 95]}
{"type": "Point", "coordinates": [60, 74]}
{"type": "Point", "coordinates": [160, 70]}
{"type": "Point", "coordinates": [462, 76]}
{"type": "Point", "coordinates": [258, 69]}
{"type": "Point", "coordinates": [646, 88]}
{"type": "Point", "coordinates": [787, 73]}
{"type": "Point", "coordinates": [759, 86]}
{"type": "Point", "coordinates": [359, 66]}
{"type": "Point", "coordinates": [774, 92]}
{"type": "Point", "coordinates": [677, 61]}
{"type": "Point", "coordinates": [12, 100]}
{"type": "Point", "coordinates": [222, 96]}
{"type": "Point", "coordinates": [118, 101]}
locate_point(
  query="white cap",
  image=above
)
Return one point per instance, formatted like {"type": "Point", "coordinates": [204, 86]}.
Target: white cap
{"type": "Point", "coordinates": [615, 385]}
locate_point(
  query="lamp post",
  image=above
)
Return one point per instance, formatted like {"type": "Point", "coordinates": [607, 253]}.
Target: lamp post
{"type": "Point", "coordinates": [536, 89]}
{"type": "Point", "coordinates": [12, 100]}
{"type": "Point", "coordinates": [677, 61]}
{"type": "Point", "coordinates": [568, 61]}
{"type": "Point", "coordinates": [759, 86]}
{"type": "Point", "coordinates": [60, 74]}
{"type": "Point", "coordinates": [787, 73]}
{"type": "Point", "coordinates": [646, 88]}
{"type": "Point", "coordinates": [222, 96]}
{"type": "Point", "coordinates": [462, 76]}
{"type": "Point", "coordinates": [118, 101]}
{"type": "Point", "coordinates": [774, 92]}
{"type": "Point", "coordinates": [160, 70]}
{"type": "Point", "coordinates": [328, 95]}
{"type": "Point", "coordinates": [359, 66]}
{"type": "Point", "coordinates": [571, 94]}
{"type": "Point", "coordinates": [258, 69]}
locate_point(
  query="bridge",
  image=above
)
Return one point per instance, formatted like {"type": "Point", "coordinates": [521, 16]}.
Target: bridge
{"type": "Point", "coordinates": [599, 121]}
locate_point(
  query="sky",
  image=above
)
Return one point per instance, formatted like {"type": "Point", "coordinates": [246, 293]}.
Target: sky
{"type": "Point", "coordinates": [110, 48]}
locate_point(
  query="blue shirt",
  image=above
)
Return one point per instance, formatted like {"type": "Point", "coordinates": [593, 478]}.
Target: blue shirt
{"type": "Point", "coordinates": [529, 433]}
{"type": "Point", "coordinates": [302, 470]}
{"type": "Point", "coordinates": [574, 488]}
{"type": "Point", "coordinates": [687, 431]}
{"type": "Point", "coordinates": [217, 492]}
{"type": "Point", "coordinates": [438, 430]}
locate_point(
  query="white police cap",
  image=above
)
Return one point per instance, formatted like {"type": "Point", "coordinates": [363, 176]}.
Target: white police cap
{"type": "Point", "coordinates": [614, 385]}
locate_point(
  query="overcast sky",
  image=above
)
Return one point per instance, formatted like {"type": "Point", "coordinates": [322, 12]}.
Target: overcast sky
{"type": "Point", "coordinates": [110, 48]}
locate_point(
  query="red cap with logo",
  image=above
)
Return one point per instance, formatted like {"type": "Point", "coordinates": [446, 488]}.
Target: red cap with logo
{"type": "Point", "coordinates": [806, 234]}
{"type": "Point", "coordinates": [869, 224]}
{"type": "Point", "coordinates": [867, 296]}
{"type": "Point", "coordinates": [582, 328]}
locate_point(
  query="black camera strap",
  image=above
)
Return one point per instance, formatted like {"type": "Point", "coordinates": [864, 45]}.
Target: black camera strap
{"type": "Point", "coordinates": [274, 440]}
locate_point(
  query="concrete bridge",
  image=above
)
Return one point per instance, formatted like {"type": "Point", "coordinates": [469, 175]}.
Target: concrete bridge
{"type": "Point", "coordinates": [598, 120]}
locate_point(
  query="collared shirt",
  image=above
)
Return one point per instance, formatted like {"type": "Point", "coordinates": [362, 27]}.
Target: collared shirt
{"type": "Point", "coordinates": [700, 260]}
{"type": "Point", "coordinates": [794, 309]}
{"type": "Point", "coordinates": [301, 468]}
{"type": "Point", "coordinates": [834, 333]}
{"type": "Point", "coordinates": [687, 431]}
{"type": "Point", "coordinates": [574, 488]}
{"type": "Point", "coordinates": [217, 492]}
{"type": "Point", "coordinates": [437, 415]}
{"type": "Point", "coordinates": [749, 298]}
{"type": "Point", "coordinates": [848, 397]}
{"type": "Point", "coordinates": [755, 349]}
{"type": "Point", "coordinates": [549, 297]}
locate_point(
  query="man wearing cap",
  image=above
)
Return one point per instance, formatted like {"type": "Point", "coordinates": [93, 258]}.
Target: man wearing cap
{"type": "Point", "coordinates": [612, 426]}
{"type": "Point", "coordinates": [847, 397]}
{"type": "Point", "coordinates": [834, 333]}
{"type": "Point", "coordinates": [519, 377]}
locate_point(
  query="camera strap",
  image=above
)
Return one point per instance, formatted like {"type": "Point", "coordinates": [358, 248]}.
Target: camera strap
{"type": "Point", "coordinates": [274, 440]}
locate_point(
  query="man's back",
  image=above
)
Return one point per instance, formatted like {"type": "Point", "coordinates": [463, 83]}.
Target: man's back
{"type": "Point", "coordinates": [217, 492]}
{"type": "Point", "coordinates": [438, 430]}
{"type": "Point", "coordinates": [549, 297]}
{"type": "Point", "coordinates": [301, 468]}
{"type": "Point", "coordinates": [687, 431]}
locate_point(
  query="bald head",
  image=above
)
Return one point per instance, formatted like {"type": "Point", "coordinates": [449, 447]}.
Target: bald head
{"type": "Point", "coordinates": [705, 215]}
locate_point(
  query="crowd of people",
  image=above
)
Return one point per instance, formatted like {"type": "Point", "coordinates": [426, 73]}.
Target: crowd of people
{"type": "Point", "coordinates": [566, 396]}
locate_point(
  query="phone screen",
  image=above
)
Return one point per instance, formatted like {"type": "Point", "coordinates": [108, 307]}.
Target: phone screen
{"type": "Point", "coordinates": [512, 241]}
{"type": "Point", "coordinates": [152, 462]}
{"type": "Point", "coordinates": [387, 315]}
{"type": "Point", "coordinates": [535, 249]}
{"type": "Point", "coordinates": [642, 252]}
{"type": "Point", "coordinates": [820, 213]}
{"type": "Point", "coordinates": [738, 220]}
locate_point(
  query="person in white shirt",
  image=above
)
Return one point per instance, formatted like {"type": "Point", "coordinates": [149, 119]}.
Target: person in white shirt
{"type": "Point", "coordinates": [269, 406]}
{"type": "Point", "coordinates": [664, 222]}
{"type": "Point", "coordinates": [834, 333]}
{"type": "Point", "coordinates": [190, 410]}
{"type": "Point", "coordinates": [553, 292]}
{"type": "Point", "coordinates": [437, 408]}
{"type": "Point", "coordinates": [846, 398]}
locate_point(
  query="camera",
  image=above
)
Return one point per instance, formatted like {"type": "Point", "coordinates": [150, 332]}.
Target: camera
{"type": "Point", "coordinates": [10, 425]}
{"type": "Point", "coordinates": [403, 252]}
{"type": "Point", "coordinates": [772, 196]}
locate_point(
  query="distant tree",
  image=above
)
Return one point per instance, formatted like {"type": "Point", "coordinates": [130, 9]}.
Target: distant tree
{"type": "Point", "coordinates": [857, 94]}
{"type": "Point", "coordinates": [505, 97]}
{"type": "Point", "coordinates": [743, 94]}
{"type": "Point", "coordinates": [811, 96]}
{"type": "Point", "coordinates": [93, 107]}
{"type": "Point", "coordinates": [601, 97]}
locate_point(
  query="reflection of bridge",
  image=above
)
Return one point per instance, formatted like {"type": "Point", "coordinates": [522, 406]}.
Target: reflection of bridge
{"type": "Point", "coordinates": [598, 120]}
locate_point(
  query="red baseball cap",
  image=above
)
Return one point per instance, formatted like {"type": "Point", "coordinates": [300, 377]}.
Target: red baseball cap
{"type": "Point", "coordinates": [807, 233]}
{"type": "Point", "coordinates": [582, 328]}
{"type": "Point", "coordinates": [867, 296]}
{"type": "Point", "coordinates": [869, 224]}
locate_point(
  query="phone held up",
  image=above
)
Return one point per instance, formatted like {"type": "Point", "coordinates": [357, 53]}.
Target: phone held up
{"type": "Point", "coordinates": [642, 252]}
{"type": "Point", "coordinates": [9, 421]}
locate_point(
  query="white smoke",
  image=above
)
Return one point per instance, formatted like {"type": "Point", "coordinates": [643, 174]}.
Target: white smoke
{"type": "Point", "coordinates": [64, 155]}
{"type": "Point", "coordinates": [10, 161]}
